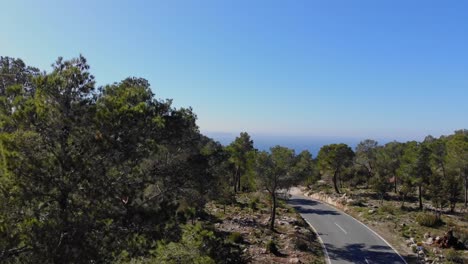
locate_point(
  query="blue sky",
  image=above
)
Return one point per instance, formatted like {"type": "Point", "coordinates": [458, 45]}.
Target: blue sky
{"type": "Point", "coordinates": [325, 69]}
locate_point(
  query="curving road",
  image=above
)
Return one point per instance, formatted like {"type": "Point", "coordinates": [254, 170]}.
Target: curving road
{"type": "Point", "coordinates": [345, 239]}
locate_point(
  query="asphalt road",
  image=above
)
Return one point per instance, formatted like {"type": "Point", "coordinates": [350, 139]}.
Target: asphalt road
{"type": "Point", "coordinates": [346, 240]}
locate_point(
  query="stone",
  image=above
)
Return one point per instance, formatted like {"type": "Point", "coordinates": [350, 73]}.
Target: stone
{"type": "Point", "coordinates": [371, 211]}
{"type": "Point", "coordinates": [427, 235]}
{"type": "Point", "coordinates": [429, 241]}
{"type": "Point", "coordinates": [294, 260]}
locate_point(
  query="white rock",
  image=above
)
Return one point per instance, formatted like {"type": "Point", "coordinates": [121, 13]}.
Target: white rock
{"type": "Point", "coordinates": [294, 260]}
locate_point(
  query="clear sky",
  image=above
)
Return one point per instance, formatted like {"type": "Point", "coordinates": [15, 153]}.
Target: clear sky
{"type": "Point", "coordinates": [349, 69]}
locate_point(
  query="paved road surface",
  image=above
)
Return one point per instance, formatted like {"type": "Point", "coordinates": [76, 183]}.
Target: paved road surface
{"type": "Point", "coordinates": [346, 240]}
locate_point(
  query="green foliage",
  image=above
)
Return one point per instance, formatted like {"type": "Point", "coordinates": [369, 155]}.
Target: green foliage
{"type": "Point", "coordinates": [241, 158]}
{"type": "Point", "coordinates": [300, 244]}
{"type": "Point", "coordinates": [305, 169]}
{"type": "Point", "coordinates": [389, 209]}
{"type": "Point", "coordinates": [194, 247]}
{"type": "Point", "coordinates": [428, 220]}
{"type": "Point", "coordinates": [333, 159]}
{"type": "Point", "coordinates": [275, 171]}
{"type": "Point", "coordinates": [454, 256]}
{"type": "Point", "coordinates": [272, 247]}
{"type": "Point", "coordinates": [380, 185]}
{"type": "Point", "coordinates": [88, 175]}
{"type": "Point", "coordinates": [253, 203]}
{"type": "Point", "coordinates": [235, 237]}
{"type": "Point", "coordinates": [462, 235]}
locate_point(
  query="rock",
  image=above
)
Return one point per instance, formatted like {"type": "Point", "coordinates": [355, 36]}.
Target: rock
{"type": "Point", "coordinates": [297, 227]}
{"type": "Point", "coordinates": [294, 260]}
{"type": "Point", "coordinates": [429, 241]}
{"type": "Point", "coordinates": [409, 242]}
{"type": "Point", "coordinates": [371, 211]}
{"type": "Point", "coordinates": [427, 235]}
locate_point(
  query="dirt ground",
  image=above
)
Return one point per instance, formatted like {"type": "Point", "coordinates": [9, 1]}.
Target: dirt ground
{"type": "Point", "coordinates": [249, 218]}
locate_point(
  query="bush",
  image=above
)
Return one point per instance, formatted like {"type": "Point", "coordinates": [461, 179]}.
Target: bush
{"type": "Point", "coordinates": [235, 237]}
{"type": "Point", "coordinates": [428, 219]}
{"type": "Point", "coordinates": [453, 256]}
{"type": "Point", "coordinates": [272, 247]}
{"type": "Point", "coordinates": [462, 235]}
{"type": "Point", "coordinates": [194, 247]}
{"type": "Point", "coordinates": [253, 204]}
{"type": "Point", "coordinates": [387, 209]}
{"type": "Point", "coordinates": [301, 245]}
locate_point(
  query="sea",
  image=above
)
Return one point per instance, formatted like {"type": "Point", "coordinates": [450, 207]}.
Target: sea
{"type": "Point", "coordinates": [298, 143]}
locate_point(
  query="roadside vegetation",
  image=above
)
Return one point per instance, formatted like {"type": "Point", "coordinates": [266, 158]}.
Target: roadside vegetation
{"type": "Point", "coordinates": [111, 174]}
{"type": "Point", "coordinates": [246, 225]}
{"type": "Point", "coordinates": [413, 193]}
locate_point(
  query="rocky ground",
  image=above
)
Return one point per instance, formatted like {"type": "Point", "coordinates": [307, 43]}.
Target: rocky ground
{"type": "Point", "coordinates": [246, 224]}
{"type": "Point", "coordinates": [399, 225]}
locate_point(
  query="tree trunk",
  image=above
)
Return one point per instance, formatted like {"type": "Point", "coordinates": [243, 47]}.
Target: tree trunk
{"type": "Point", "coordinates": [234, 180]}
{"type": "Point", "coordinates": [395, 183]}
{"type": "Point", "coordinates": [420, 197]}
{"type": "Point", "coordinates": [452, 206]}
{"type": "Point", "coordinates": [239, 181]}
{"type": "Point", "coordinates": [466, 188]}
{"type": "Point", "coordinates": [335, 182]}
{"type": "Point", "coordinates": [273, 211]}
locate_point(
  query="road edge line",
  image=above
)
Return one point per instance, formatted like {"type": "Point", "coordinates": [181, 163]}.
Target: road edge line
{"type": "Point", "coordinates": [375, 233]}
{"type": "Point", "coordinates": [324, 249]}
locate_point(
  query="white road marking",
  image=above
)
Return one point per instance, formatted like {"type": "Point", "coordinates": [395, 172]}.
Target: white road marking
{"type": "Point", "coordinates": [366, 260]}
{"type": "Point", "coordinates": [341, 228]}
{"type": "Point", "coordinates": [375, 233]}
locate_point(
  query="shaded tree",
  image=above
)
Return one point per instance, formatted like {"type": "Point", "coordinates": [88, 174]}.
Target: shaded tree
{"type": "Point", "coordinates": [240, 151]}
{"type": "Point", "coordinates": [275, 172]}
{"type": "Point", "coordinates": [333, 159]}
{"type": "Point", "coordinates": [366, 157]}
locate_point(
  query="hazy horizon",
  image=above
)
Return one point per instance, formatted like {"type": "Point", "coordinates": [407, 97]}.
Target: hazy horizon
{"type": "Point", "coordinates": [304, 142]}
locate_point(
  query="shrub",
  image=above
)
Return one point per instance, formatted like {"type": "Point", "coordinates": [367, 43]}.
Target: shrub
{"type": "Point", "coordinates": [387, 209]}
{"type": "Point", "coordinates": [235, 237]}
{"type": "Point", "coordinates": [194, 247]}
{"type": "Point", "coordinates": [253, 204]}
{"type": "Point", "coordinates": [462, 235]}
{"type": "Point", "coordinates": [428, 219]}
{"type": "Point", "coordinates": [272, 247]}
{"type": "Point", "coordinates": [453, 256]}
{"type": "Point", "coordinates": [301, 245]}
